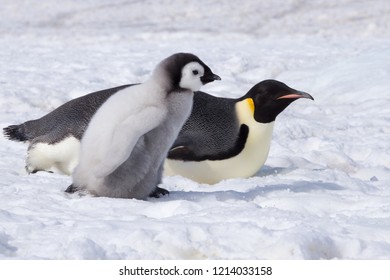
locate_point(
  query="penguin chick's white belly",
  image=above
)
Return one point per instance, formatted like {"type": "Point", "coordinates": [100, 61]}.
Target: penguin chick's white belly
{"type": "Point", "coordinates": [59, 157]}
{"type": "Point", "coordinates": [243, 165]}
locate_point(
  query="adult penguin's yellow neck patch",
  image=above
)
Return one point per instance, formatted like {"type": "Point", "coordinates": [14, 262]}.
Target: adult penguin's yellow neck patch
{"type": "Point", "coordinates": [251, 105]}
{"type": "Point", "coordinates": [245, 110]}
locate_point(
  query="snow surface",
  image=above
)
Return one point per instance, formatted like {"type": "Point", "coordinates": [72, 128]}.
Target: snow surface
{"type": "Point", "coordinates": [324, 192]}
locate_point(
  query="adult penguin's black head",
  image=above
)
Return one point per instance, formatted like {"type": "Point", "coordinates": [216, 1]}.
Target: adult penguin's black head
{"type": "Point", "coordinates": [270, 98]}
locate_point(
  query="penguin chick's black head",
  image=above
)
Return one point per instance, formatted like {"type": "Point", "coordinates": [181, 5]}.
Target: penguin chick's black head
{"type": "Point", "coordinates": [187, 71]}
{"type": "Point", "coordinates": [271, 97]}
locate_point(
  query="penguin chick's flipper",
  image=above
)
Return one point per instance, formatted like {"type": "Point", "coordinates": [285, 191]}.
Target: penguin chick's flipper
{"type": "Point", "coordinates": [159, 192]}
{"type": "Point", "coordinates": [125, 137]}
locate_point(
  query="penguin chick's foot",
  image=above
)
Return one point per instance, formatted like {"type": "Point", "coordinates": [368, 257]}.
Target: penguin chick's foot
{"type": "Point", "coordinates": [71, 189]}
{"type": "Point", "coordinates": [158, 192]}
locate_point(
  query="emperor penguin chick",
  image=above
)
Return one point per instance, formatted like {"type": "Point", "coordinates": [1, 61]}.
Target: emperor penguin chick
{"type": "Point", "coordinates": [229, 138]}
{"type": "Point", "coordinates": [124, 146]}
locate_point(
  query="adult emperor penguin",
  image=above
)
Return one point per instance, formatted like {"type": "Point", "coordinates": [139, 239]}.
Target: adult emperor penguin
{"type": "Point", "coordinates": [123, 149]}
{"type": "Point", "coordinates": [229, 138]}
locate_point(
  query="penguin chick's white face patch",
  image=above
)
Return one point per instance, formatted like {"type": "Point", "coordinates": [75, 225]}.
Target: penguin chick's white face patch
{"type": "Point", "coordinates": [190, 76]}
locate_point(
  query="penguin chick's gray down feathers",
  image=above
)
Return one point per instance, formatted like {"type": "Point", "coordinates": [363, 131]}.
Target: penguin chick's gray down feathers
{"type": "Point", "coordinates": [124, 146]}
{"type": "Point", "coordinates": [125, 132]}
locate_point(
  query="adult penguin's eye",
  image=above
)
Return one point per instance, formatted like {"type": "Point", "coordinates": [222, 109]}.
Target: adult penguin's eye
{"type": "Point", "coordinates": [195, 72]}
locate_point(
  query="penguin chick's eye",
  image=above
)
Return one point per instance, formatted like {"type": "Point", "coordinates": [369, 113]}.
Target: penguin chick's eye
{"type": "Point", "coordinates": [195, 72]}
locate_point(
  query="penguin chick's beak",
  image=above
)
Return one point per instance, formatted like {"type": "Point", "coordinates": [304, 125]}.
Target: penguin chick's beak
{"type": "Point", "coordinates": [296, 95]}
{"type": "Point", "coordinates": [209, 77]}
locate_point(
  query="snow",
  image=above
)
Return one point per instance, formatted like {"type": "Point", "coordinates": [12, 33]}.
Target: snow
{"type": "Point", "coordinates": [324, 192]}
